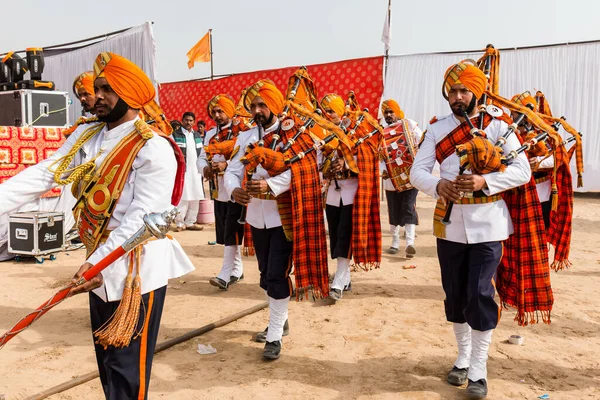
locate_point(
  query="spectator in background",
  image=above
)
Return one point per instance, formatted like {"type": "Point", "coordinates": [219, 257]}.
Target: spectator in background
{"type": "Point", "coordinates": [190, 144]}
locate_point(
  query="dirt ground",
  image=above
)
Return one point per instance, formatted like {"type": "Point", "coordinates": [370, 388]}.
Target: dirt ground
{"type": "Point", "coordinates": [387, 339]}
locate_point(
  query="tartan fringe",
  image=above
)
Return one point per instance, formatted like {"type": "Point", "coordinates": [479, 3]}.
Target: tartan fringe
{"type": "Point", "coordinates": [529, 318]}
{"type": "Point", "coordinates": [365, 266]}
{"type": "Point", "coordinates": [310, 292]}
{"type": "Point", "coordinates": [248, 251]}
{"type": "Point", "coordinates": [561, 265]}
{"type": "Point", "coordinates": [579, 180]}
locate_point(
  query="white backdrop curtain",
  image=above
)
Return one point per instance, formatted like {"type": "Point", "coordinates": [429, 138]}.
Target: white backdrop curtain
{"type": "Point", "coordinates": [569, 76]}
{"type": "Point", "coordinates": [137, 44]}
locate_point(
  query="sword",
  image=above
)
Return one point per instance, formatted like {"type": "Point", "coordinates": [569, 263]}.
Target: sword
{"type": "Point", "coordinates": [155, 225]}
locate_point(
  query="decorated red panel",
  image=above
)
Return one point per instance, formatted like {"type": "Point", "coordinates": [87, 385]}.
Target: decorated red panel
{"type": "Point", "coordinates": [364, 76]}
{"type": "Point", "coordinates": [22, 147]}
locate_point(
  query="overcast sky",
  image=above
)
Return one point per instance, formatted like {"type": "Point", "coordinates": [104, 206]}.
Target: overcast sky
{"type": "Point", "coordinates": [263, 34]}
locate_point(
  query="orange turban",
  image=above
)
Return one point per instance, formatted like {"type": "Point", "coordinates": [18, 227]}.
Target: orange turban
{"type": "Point", "coordinates": [524, 99]}
{"type": "Point", "coordinates": [132, 85]}
{"type": "Point", "coordinates": [225, 102]}
{"type": "Point", "coordinates": [86, 81]}
{"type": "Point", "coordinates": [334, 103]}
{"type": "Point", "coordinates": [468, 74]}
{"type": "Point", "coordinates": [266, 89]}
{"type": "Point", "coordinates": [392, 105]}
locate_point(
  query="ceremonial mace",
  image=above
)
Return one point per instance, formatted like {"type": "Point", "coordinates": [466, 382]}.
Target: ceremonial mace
{"type": "Point", "coordinates": [155, 225]}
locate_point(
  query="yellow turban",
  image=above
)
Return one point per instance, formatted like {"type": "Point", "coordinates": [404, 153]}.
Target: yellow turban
{"type": "Point", "coordinates": [266, 89]}
{"type": "Point", "coordinates": [524, 99]}
{"type": "Point", "coordinates": [132, 85]}
{"type": "Point", "coordinates": [86, 81]}
{"type": "Point", "coordinates": [392, 105]}
{"type": "Point", "coordinates": [334, 103]}
{"type": "Point", "coordinates": [225, 102]}
{"type": "Point", "coordinates": [468, 74]}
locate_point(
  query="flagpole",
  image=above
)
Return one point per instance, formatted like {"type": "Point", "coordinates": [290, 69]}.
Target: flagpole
{"type": "Point", "coordinates": [387, 51]}
{"type": "Point", "coordinates": [211, 54]}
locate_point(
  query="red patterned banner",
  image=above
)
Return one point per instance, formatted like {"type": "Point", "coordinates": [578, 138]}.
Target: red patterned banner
{"type": "Point", "coordinates": [364, 76]}
{"type": "Point", "coordinates": [22, 147]}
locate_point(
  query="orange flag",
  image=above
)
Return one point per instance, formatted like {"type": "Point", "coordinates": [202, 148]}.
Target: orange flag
{"type": "Point", "coordinates": [200, 52]}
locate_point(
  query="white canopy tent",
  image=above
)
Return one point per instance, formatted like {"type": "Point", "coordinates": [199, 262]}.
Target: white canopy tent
{"type": "Point", "coordinates": [569, 76]}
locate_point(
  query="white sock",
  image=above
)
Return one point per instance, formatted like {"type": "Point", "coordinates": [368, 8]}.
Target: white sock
{"type": "Point", "coordinates": [481, 341]}
{"type": "Point", "coordinates": [395, 232]}
{"type": "Point", "coordinates": [277, 317]}
{"type": "Point", "coordinates": [342, 274]}
{"type": "Point", "coordinates": [463, 340]}
{"type": "Point", "coordinates": [409, 229]}
{"type": "Point", "coordinates": [238, 269]}
{"type": "Point", "coordinates": [228, 259]}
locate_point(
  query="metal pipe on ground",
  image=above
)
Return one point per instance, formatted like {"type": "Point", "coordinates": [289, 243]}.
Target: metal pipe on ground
{"type": "Point", "coordinates": [159, 347]}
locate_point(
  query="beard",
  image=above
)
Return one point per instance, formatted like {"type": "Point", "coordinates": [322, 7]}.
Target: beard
{"type": "Point", "coordinates": [459, 108]}
{"type": "Point", "coordinates": [263, 120]}
{"type": "Point", "coordinates": [116, 113]}
{"type": "Point", "coordinates": [390, 120]}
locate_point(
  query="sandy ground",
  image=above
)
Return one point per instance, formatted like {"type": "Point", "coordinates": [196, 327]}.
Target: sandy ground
{"type": "Point", "coordinates": [387, 339]}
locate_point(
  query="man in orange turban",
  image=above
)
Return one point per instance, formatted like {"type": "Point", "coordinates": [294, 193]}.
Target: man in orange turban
{"type": "Point", "coordinates": [264, 101]}
{"type": "Point", "coordinates": [272, 246]}
{"type": "Point", "coordinates": [132, 85]}
{"type": "Point", "coordinates": [229, 232]}
{"type": "Point", "coordinates": [470, 248]}
{"type": "Point", "coordinates": [389, 107]}
{"type": "Point", "coordinates": [83, 87]}
{"type": "Point", "coordinates": [334, 107]}
{"type": "Point", "coordinates": [402, 208]}
{"type": "Point", "coordinates": [127, 170]}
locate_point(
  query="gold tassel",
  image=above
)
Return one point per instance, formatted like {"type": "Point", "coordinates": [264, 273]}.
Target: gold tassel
{"type": "Point", "coordinates": [554, 197]}
{"type": "Point", "coordinates": [579, 180]}
{"type": "Point", "coordinates": [439, 229]}
{"type": "Point", "coordinates": [121, 327]}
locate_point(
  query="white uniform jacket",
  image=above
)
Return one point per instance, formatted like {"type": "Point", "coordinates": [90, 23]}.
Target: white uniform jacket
{"type": "Point", "coordinates": [471, 223]}
{"type": "Point", "coordinates": [261, 214]}
{"type": "Point", "coordinates": [203, 162]}
{"type": "Point", "coordinates": [154, 167]}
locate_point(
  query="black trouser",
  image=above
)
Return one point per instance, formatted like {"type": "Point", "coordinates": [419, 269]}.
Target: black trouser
{"type": "Point", "coordinates": [467, 273]}
{"type": "Point", "coordinates": [339, 220]}
{"type": "Point", "coordinates": [402, 207]}
{"type": "Point", "coordinates": [229, 231]}
{"type": "Point", "coordinates": [546, 207]}
{"type": "Point", "coordinates": [125, 373]}
{"type": "Point", "coordinates": [273, 252]}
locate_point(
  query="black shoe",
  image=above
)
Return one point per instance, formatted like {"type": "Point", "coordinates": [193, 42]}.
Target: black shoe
{"type": "Point", "coordinates": [410, 251]}
{"type": "Point", "coordinates": [458, 376]}
{"type": "Point", "coordinates": [272, 350]}
{"type": "Point", "coordinates": [392, 250]}
{"type": "Point", "coordinates": [235, 279]}
{"type": "Point", "coordinates": [477, 389]}
{"type": "Point", "coordinates": [348, 287]}
{"type": "Point", "coordinates": [261, 337]}
{"type": "Point", "coordinates": [218, 282]}
{"type": "Point", "coordinates": [335, 294]}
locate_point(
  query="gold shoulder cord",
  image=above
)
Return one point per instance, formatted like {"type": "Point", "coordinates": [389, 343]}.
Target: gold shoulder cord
{"type": "Point", "coordinates": [60, 167]}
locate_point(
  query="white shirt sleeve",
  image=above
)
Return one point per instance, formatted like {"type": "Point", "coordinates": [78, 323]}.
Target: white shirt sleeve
{"type": "Point", "coordinates": [280, 183]}
{"type": "Point", "coordinates": [420, 172]}
{"type": "Point", "coordinates": [34, 181]}
{"type": "Point", "coordinates": [546, 162]}
{"type": "Point", "coordinates": [516, 174]}
{"type": "Point", "coordinates": [234, 174]}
